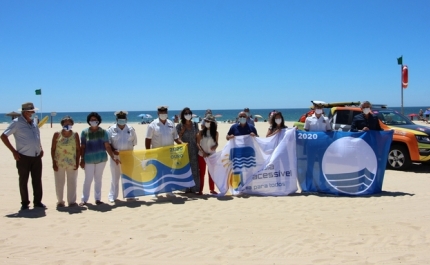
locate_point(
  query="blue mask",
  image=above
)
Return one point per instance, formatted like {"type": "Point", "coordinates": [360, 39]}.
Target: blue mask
{"type": "Point", "coordinates": [122, 121]}
{"type": "Point", "coordinates": [242, 120]}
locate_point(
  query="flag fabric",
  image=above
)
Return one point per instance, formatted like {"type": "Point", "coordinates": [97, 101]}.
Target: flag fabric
{"type": "Point", "coordinates": [342, 163]}
{"type": "Point", "coordinates": [38, 91]}
{"type": "Point", "coordinates": [154, 171]}
{"type": "Point", "coordinates": [400, 60]}
{"type": "Point", "coordinates": [252, 165]}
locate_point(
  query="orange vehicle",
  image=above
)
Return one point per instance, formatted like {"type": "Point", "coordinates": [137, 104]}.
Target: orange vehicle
{"type": "Point", "coordinates": [411, 142]}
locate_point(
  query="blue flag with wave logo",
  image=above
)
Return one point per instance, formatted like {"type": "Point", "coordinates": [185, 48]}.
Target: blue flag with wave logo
{"type": "Point", "coordinates": [154, 171]}
{"type": "Point", "coordinates": [347, 163]}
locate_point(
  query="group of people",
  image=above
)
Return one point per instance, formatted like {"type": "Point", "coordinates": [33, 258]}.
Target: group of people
{"type": "Point", "coordinates": [90, 149]}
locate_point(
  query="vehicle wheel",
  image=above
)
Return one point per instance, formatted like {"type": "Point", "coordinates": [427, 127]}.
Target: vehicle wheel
{"type": "Point", "coordinates": [398, 157]}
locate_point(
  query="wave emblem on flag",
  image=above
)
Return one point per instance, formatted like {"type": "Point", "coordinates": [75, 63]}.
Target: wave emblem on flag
{"type": "Point", "coordinates": [240, 158]}
{"type": "Point", "coordinates": [155, 171]}
{"type": "Point", "coordinates": [349, 165]}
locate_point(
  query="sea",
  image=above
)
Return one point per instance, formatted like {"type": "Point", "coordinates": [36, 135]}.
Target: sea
{"type": "Point", "coordinates": [226, 115]}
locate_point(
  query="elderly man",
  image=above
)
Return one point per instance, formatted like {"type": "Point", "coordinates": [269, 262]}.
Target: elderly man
{"type": "Point", "coordinates": [249, 117]}
{"type": "Point", "coordinates": [365, 121]}
{"type": "Point", "coordinates": [28, 154]}
{"type": "Point", "coordinates": [122, 137]}
{"type": "Point", "coordinates": [317, 122]}
{"type": "Point", "coordinates": [161, 131]}
{"type": "Point", "coordinates": [241, 128]}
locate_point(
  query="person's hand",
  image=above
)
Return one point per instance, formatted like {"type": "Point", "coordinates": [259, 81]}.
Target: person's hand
{"type": "Point", "coordinates": [116, 152]}
{"type": "Point", "coordinates": [117, 161]}
{"type": "Point", "coordinates": [213, 148]}
{"type": "Point", "coordinates": [230, 137]}
{"type": "Point", "coordinates": [16, 155]}
{"type": "Point", "coordinates": [365, 129]}
{"type": "Point", "coordinates": [41, 154]}
{"type": "Point", "coordinates": [252, 134]}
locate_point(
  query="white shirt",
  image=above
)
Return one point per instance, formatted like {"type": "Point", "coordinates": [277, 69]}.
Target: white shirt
{"type": "Point", "coordinates": [161, 134]}
{"type": "Point", "coordinates": [124, 139]}
{"type": "Point", "coordinates": [206, 143]}
{"type": "Point", "coordinates": [315, 124]}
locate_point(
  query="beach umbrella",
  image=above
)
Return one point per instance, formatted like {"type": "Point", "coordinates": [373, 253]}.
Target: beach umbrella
{"type": "Point", "coordinates": [218, 116]}
{"type": "Point", "coordinates": [258, 116]}
{"type": "Point", "coordinates": [194, 115]}
{"type": "Point", "coordinates": [13, 114]}
{"type": "Point", "coordinates": [427, 112]}
{"type": "Point", "coordinates": [412, 115]}
{"type": "Point", "coordinates": [146, 116]}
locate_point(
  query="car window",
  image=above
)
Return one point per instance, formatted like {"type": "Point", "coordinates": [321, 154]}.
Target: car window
{"type": "Point", "coordinates": [393, 118]}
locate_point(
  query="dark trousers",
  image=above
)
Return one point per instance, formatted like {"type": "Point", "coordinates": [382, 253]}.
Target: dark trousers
{"type": "Point", "coordinates": [30, 165]}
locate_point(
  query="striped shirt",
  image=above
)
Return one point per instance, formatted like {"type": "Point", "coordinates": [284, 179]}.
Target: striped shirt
{"type": "Point", "coordinates": [94, 143]}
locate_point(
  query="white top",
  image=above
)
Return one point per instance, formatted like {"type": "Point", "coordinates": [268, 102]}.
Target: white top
{"type": "Point", "coordinates": [161, 134]}
{"type": "Point", "coordinates": [315, 124]}
{"type": "Point", "coordinates": [124, 139]}
{"type": "Point", "coordinates": [206, 143]}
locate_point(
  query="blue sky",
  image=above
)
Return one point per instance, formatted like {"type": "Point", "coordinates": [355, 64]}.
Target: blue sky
{"type": "Point", "coordinates": [136, 55]}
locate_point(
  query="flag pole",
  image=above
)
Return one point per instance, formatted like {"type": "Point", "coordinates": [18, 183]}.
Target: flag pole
{"type": "Point", "coordinates": [401, 85]}
{"type": "Point", "coordinates": [41, 110]}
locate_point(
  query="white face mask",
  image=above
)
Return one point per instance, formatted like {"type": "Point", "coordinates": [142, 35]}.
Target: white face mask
{"type": "Point", "coordinates": [278, 121]}
{"type": "Point", "coordinates": [208, 124]}
{"type": "Point", "coordinates": [94, 123]}
{"type": "Point", "coordinates": [366, 111]}
{"type": "Point", "coordinates": [187, 117]}
{"type": "Point", "coordinates": [162, 116]}
{"type": "Point", "coordinates": [318, 111]}
{"type": "Point", "coordinates": [67, 127]}
{"type": "Point", "coordinates": [242, 120]}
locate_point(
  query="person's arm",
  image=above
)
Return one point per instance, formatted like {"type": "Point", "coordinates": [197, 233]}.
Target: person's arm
{"type": "Point", "coordinates": [83, 143]}
{"type": "Point", "coordinates": [78, 150]}
{"type": "Point", "coordinates": [110, 152]}
{"type": "Point", "coordinates": [327, 125]}
{"type": "Point", "coordinates": [148, 143]}
{"type": "Point", "coordinates": [377, 125]}
{"type": "Point", "coordinates": [53, 148]}
{"type": "Point", "coordinates": [5, 140]}
{"type": "Point", "coordinates": [354, 125]}
{"type": "Point", "coordinates": [213, 148]}
{"type": "Point", "coordinates": [307, 125]}
{"type": "Point", "coordinates": [253, 131]}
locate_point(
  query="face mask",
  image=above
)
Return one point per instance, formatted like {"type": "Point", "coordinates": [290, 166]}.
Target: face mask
{"type": "Point", "coordinates": [121, 121]}
{"type": "Point", "coordinates": [366, 111]}
{"type": "Point", "coordinates": [318, 111]}
{"type": "Point", "coordinates": [208, 124]}
{"type": "Point", "coordinates": [162, 116]}
{"type": "Point", "coordinates": [278, 121]}
{"type": "Point", "coordinates": [94, 123]}
{"type": "Point", "coordinates": [187, 117]}
{"type": "Point", "coordinates": [67, 127]}
{"type": "Point", "coordinates": [242, 120]}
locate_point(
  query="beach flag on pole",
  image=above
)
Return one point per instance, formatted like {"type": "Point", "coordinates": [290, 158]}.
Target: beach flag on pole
{"type": "Point", "coordinates": [400, 60]}
{"type": "Point", "coordinates": [38, 92]}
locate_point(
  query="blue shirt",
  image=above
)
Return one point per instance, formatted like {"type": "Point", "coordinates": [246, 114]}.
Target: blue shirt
{"type": "Point", "coordinates": [27, 136]}
{"type": "Point", "coordinates": [359, 122]}
{"type": "Point", "coordinates": [238, 130]}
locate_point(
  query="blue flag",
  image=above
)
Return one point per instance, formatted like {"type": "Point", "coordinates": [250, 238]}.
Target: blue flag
{"type": "Point", "coordinates": [348, 163]}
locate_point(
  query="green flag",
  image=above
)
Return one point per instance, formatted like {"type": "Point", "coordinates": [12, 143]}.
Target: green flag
{"type": "Point", "coordinates": [38, 91]}
{"type": "Point", "coordinates": [400, 60]}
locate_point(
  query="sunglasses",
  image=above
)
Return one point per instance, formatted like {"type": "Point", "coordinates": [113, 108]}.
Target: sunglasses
{"type": "Point", "coordinates": [186, 113]}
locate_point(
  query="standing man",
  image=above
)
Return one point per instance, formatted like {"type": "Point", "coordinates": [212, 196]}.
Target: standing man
{"type": "Point", "coordinates": [28, 154]}
{"type": "Point", "coordinates": [317, 122]}
{"type": "Point", "coordinates": [122, 137]}
{"type": "Point", "coordinates": [249, 117]}
{"type": "Point", "coordinates": [241, 128]}
{"type": "Point", "coordinates": [161, 131]}
{"type": "Point", "coordinates": [365, 121]}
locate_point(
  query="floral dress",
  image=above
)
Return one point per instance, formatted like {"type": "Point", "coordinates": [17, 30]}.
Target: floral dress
{"type": "Point", "coordinates": [65, 152]}
{"type": "Point", "coordinates": [189, 136]}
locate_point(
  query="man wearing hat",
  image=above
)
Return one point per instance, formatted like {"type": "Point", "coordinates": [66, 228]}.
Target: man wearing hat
{"type": "Point", "coordinates": [28, 154]}
{"type": "Point", "coordinates": [122, 137]}
{"type": "Point", "coordinates": [317, 122]}
{"type": "Point", "coordinates": [161, 131]}
{"type": "Point", "coordinates": [365, 121]}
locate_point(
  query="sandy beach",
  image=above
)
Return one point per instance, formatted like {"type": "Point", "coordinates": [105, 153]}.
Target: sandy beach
{"type": "Point", "coordinates": [389, 228]}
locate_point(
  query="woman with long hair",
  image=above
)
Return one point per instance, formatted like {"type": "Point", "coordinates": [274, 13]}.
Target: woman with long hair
{"type": "Point", "coordinates": [207, 142]}
{"type": "Point", "coordinates": [187, 131]}
{"type": "Point", "coordinates": [277, 123]}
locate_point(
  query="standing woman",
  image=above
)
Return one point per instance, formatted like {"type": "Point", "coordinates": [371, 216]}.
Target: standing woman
{"type": "Point", "coordinates": [207, 140]}
{"type": "Point", "coordinates": [94, 145]}
{"type": "Point", "coordinates": [187, 131]}
{"type": "Point", "coordinates": [277, 123]}
{"type": "Point", "coordinates": [65, 153]}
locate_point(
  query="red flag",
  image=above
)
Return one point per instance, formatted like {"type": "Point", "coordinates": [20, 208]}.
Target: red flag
{"type": "Point", "coordinates": [405, 76]}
